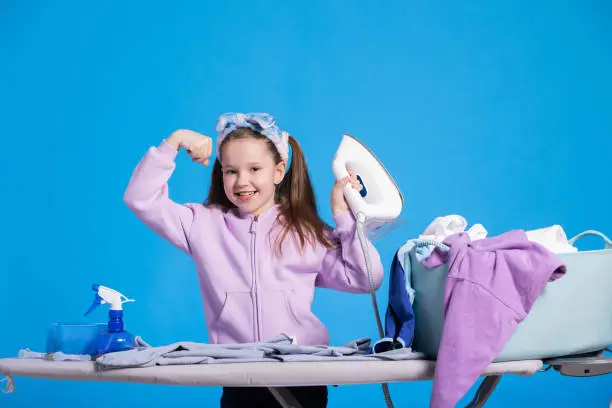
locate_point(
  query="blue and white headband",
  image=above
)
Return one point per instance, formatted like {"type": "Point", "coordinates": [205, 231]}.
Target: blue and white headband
{"type": "Point", "coordinates": [263, 123]}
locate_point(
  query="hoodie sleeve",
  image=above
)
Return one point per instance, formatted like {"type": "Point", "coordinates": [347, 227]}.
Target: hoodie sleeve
{"type": "Point", "coordinates": [344, 266]}
{"type": "Point", "coordinates": [147, 197]}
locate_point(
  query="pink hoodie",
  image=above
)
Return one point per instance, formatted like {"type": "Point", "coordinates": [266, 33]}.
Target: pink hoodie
{"type": "Point", "coordinates": [249, 292]}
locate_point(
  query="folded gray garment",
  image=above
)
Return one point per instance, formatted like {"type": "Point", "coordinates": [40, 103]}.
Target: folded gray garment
{"type": "Point", "coordinates": [56, 356]}
{"type": "Point", "coordinates": [278, 349]}
{"type": "Point", "coordinates": [393, 355]}
{"type": "Point", "coordinates": [61, 356]}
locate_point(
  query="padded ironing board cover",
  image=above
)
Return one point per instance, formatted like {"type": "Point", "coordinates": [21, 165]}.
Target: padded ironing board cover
{"type": "Point", "coordinates": [271, 374]}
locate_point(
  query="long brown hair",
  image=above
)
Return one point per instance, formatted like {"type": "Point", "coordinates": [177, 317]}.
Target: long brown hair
{"type": "Point", "coordinates": [295, 196]}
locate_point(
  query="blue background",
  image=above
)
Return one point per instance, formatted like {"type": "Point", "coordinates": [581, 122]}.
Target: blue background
{"type": "Point", "coordinates": [499, 112]}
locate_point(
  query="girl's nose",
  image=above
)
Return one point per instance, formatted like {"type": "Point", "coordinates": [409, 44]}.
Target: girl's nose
{"type": "Point", "coordinates": [243, 179]}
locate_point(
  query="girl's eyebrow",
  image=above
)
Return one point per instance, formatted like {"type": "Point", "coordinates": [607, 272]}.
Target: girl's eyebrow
{"type": "Point", "coordinates": [229, 166]}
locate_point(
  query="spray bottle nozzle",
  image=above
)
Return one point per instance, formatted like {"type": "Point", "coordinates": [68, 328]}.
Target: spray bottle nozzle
{"type": "Point", "coordinates": [107, 295]}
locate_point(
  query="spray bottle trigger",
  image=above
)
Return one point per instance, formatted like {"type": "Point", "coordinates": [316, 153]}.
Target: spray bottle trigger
{"type": "Point", "coordinates": [97, 301]}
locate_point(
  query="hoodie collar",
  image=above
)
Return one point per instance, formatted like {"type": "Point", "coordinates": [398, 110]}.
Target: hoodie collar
{"type": "Point", "coordinates": [270, 213]}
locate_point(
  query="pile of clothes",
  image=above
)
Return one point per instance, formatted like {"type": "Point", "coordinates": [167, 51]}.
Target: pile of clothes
{"type": "Point", "coordinates": [492, 284]}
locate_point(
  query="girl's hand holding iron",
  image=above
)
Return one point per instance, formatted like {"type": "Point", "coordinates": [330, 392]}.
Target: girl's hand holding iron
{"type": "Point", "coordinates": [198, 146]}
{"type": "Point", "coordinates": [339, 204]}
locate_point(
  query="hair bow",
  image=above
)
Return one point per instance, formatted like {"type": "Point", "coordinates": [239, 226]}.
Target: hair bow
{"type": "Point", "coordinates": [263, 123]}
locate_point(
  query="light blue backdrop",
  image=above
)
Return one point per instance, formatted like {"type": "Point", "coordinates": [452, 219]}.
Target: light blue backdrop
{"type": "Point", "coordinates": [498, 112]}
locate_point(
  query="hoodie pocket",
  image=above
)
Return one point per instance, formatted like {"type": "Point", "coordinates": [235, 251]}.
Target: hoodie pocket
{"type": "Point", "coordinates": [235, 321]}
{"type": "Point", "coordinates": [280, 313]}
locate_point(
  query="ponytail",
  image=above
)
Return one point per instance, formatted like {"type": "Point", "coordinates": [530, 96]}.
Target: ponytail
{"type": "Point", "coordinates": [297, 202]}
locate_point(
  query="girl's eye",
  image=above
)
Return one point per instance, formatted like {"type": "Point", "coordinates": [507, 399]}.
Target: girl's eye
{"type": "Point", "coordinates": [230, 171]}
{"type": "Point", "coordinates": [255, 168]}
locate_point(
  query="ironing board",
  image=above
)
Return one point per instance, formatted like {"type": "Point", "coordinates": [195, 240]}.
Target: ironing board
{"type": "Point", "coordinates": [278, 375]}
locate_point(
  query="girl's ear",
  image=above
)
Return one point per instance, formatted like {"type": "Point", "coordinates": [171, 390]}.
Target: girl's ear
{"type": "Point", "coordinates": [279, 172]}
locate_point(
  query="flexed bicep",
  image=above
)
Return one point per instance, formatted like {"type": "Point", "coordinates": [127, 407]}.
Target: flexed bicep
{"type": "Point", "coordinates": [147, 196]}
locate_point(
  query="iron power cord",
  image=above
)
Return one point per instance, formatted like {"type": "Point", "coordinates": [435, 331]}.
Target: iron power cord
{"type": "Point", "coordinates": [366, 255]}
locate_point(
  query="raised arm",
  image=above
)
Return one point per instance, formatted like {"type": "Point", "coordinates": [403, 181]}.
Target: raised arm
{"type": "Point", "coordinates": [344, 267]}
{"type": "Point", "coordinates": [147, 191]}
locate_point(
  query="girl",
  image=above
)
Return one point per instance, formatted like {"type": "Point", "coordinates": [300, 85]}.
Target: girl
{"type": "Point", "coordinates": [258, 243]}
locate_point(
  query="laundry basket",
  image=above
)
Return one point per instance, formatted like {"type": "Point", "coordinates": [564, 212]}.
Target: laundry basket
{"type": "Point", "coordinates": [572, 315]}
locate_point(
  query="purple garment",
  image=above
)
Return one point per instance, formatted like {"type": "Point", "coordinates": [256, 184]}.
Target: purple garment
{"type": "Point", "coordinates": [491, 286]}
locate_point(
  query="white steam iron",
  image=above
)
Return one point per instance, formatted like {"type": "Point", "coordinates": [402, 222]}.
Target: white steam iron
{"type": "Point", "coordinates": [380, 201]}
{"type": "Point", "coordinates": [377, 204]}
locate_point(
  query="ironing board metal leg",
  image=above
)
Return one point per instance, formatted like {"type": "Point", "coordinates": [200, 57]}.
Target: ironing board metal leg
{"type": "Point", "coordinates": [485, 390]}
{"type": "Point", "coordinates": [284, 397]}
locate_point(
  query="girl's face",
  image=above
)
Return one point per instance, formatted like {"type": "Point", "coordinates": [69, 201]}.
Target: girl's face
{"type": "Point", "coordinates": [250, 174]}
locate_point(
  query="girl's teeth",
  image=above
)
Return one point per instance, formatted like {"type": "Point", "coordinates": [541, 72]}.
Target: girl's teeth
{"type": "Point", "coordinates": [246, 196]}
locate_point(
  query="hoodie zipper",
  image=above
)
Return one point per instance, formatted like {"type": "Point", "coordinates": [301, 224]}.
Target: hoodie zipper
{"type": "Point", "coordinates": [256, 314]}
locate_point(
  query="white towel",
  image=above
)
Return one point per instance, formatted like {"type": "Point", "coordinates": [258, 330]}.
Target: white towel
{"type": "Point", "coordinates": [552, 238]}
{"type": "Point", "coordinates": [443, 227]}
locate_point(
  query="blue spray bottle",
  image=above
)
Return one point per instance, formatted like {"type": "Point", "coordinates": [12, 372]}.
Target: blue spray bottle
{"type": "Point", "coordinates": [114, 338]}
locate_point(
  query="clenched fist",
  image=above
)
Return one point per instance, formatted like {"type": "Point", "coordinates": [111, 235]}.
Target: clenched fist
{"type": "Point", "coordinates": [338, 201]}
{"type": "Point", "coordinates": [198, 146]}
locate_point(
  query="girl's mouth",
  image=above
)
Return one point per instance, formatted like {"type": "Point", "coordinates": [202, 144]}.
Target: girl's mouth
{"type": "Point", "coordinates": [246, 195]}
